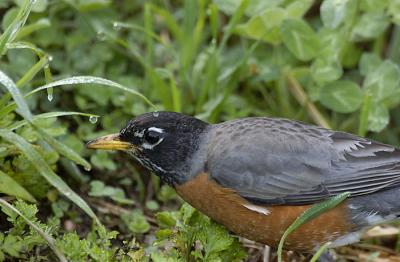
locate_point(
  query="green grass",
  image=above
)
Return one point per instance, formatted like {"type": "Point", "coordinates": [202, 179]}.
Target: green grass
{"type": "Point", "coordinates": [75, 69]}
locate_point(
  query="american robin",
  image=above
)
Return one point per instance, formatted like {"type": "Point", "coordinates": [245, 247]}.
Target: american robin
{"type": "Point", "coordinates": [257, 175]}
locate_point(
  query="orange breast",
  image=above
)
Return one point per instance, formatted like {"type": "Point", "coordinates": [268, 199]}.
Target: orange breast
{"type": "Point", "coordinates": [228, 208]}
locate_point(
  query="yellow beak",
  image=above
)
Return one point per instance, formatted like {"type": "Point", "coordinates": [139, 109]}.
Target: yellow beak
{"type": "Point", "coordinates": [109, 142]}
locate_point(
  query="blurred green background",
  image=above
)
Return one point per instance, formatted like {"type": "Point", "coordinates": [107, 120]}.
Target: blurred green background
{"type": "Point", "coordinates": [333, 63]}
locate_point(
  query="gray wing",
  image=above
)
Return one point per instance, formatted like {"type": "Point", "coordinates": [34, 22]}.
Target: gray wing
{"type": "Point", "coordinates": [279, 161]}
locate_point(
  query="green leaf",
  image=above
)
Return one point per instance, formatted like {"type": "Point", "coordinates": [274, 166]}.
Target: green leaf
{"type": "Point", "coordinates": [40, 164]}
{"type": "Point", "coordinates": [31, 28]}
{"type": "Point", "coordinates": [334, 12]}
{"type": "Point", "coordinates": [373, 5]}
{"type": "Point", "coordinates": [90, 80]}
{"type": "Point", "coordinates": [22, 123]}
{"type": "Point", "coordinates": [254, 7]}
{"type": "Point", "coordinates": [309, 214]}
{"type": "Point", "coordinates": [298, 8]}
{"type": "Point", "coordinates": [378, 117]}
{"type": "Point", "coordinates": [64, 149]}
{"type": "Point", "coordinates": [49, 239]}
{"type": "Point", "coordinates": [38, 5]}
{"type": "Point", "coordinates": [136, 222]}
{"type": "Point", "coordinates": [98, 189]}
{"type": "Point", "coordinates": [342, 96]}
{"type": "Point", "coordinates": [264, 26]}
{"type": "Point", "coordinates": [370, 26]}
{"type": "Point", "coordinates": [300, 39]}
{"type": "Point", "coordinates": [11, 32]}
{"type": "Point", "coordinates": [320, 251]}
{"type": "Point", "coordinates": [166, 219]}
{"type": "Point", "coordinates": [394, 11]}
{"type": "Point", "coordinates": [369, 62]}
{"type": "Point", "coordinates": [383, 82]}
{"type": "Point", "coordinates": [23, 108]}
{"type": "Point", "coordinates": [25, 45]}
{"type": "Point", "coordinates": [10, 187]}
{"type": "Point", "coordinates": [325, 70]}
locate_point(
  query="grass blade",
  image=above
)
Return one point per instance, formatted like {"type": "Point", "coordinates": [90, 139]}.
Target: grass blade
{"type": "Point", "coordinates": [31, 28]}
{"type": "Point", "coordinates": [90, 80]}
{"type": "Point", "coordinates": [63, 149]}
{"type": "Point", "coordinates": [320, 251]}
{"type": "Point", "coordinates": [310, 214]}
{"type": "Point", "coordinates": [12, 30]}
{"type": "Point", "coordinates": [11, 187]}
{"type": "Point", "coordinates": [43, 62]}
{"type": "Point", "coordinates": [25, 45]}
{"type": "Point", "coordinates": [40, 164]}
{"type": "Point", "coordinates": [50, 240]}
{"type": "Point", "coordinates": [16, 94]}
{"type": "Point", "coordinates": [22, 123]}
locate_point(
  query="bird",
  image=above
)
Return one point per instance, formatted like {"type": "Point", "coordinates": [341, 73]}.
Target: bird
{"type": "Point", "coordinates": [256, 175]}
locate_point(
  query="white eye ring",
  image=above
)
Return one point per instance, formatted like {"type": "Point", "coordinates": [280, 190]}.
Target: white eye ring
{"type": "Point", "coordinates": [156, 129]}
{"type": "Point", "coordinates": [146, 144]}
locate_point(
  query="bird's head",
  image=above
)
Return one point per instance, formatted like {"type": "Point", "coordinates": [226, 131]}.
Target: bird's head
{"type": "Point", "coordinates": [163, 142]}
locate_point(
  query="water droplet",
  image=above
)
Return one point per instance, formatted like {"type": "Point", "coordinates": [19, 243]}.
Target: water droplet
{"type": "Point", "coordinates": [116, 26]}
{"type": "Point", "coordinates": [101, 36]}
{"type": "Point", "coordinates": [156, 114]}
{"type": "Point", "coordinates": [50, 94]}
{"type": "Point", "coordinates": [93, 119]}
{"type": "Point", "coordinates": [50, 58]}
{"type": "Point", "coordinates": [87, 168]}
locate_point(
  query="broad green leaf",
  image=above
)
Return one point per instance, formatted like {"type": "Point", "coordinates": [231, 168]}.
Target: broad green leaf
{"type": "Point", "coordinates": [342, 96]}
{"type": "Point", "coordinates": [373, 5]}
{"type": "Point", "coordinates": [11, 187]}
{"type": "Point", "coordinates": [326, 70]}
{"type": "Point", "coordinates": [383, 83]}
{"type": "Point", "coordinates": [90, 80]}
{"type": "Point", "coordinates": [99, 189]}
{"type": "Point", "coordinates": [264, 26]}
{"type": "Point", "coordinates": [394, 11]}
{"type": "Point", "coordinates": [300, 39]}
{"type": "Point", "coordinates": [370, 26]}
{"type": "Point", "coordinates": [16, 94]}
{"type": "Point", "coordinates": [333, 12]}
{"type": "Point", "coordinates": [350, 55]}
{"type": "Point", "coordinates": [310, 214]}
{"type": "Point", "coordinates": [136, 222]}
{"type": "Point", "coordinates": [298, 8]}
{"type": "Point", "coordinates": [369, 62]}
{"type": "Point", "coordinates": [43, 168]}
{"type": "Point", "coordinates": [378, 117]}
{"type": "Point", "coordinates": [254, 7]}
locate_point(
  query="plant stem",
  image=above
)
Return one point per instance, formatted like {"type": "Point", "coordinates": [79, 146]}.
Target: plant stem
{"type": "Point", "coordinates": [298, 92]}
{"type": "Point", "coordinates": [50, 240]}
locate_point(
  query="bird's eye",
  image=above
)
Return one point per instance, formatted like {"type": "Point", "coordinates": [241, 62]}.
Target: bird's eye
{"type": "Point", "coordinates": [151, 137]}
